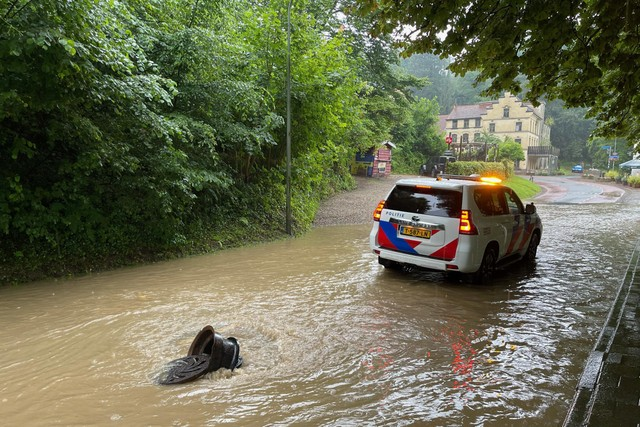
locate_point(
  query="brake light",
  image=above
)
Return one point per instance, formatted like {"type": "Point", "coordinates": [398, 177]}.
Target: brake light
{"type": "Point", "coordinates": [466, 224]}
{"type": "Point", "coordinates": [378, 212]}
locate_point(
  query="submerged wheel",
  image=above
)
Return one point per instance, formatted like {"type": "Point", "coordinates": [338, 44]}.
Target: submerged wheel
{"type": "Point", "coordinates": [532, 249]}
{"type": "Point", "coordinates": [488, 266]}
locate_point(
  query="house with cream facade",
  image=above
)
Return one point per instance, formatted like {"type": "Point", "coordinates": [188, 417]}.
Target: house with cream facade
{"type": "Point", "coordinates": [506, 117]}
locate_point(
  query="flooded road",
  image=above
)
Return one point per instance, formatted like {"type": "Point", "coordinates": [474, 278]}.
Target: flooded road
{"type": "Point", "coordinates": [327, 335]}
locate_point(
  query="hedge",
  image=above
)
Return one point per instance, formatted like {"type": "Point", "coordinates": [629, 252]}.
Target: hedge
{"type": "Point", "coordinates": [502, 170]}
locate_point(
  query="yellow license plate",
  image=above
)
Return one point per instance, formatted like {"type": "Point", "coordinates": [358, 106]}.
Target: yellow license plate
{"type": "Point", "coordinates": [423, 233]}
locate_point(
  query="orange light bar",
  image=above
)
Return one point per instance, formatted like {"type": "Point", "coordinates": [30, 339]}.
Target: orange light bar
{"type": "Point", "coordinates": [378, 211]}
{"type": "Point", "coordinates": [426, 187]}
{"type": "Point", "coordinates": [491, 179]}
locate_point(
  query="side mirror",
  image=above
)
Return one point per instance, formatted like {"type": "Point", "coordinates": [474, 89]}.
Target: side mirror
{"type": "Point", "coordinates": [530, 209]}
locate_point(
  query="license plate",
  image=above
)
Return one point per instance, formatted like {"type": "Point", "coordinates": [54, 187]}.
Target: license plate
{"type": "Point", "coordinates": [423, 233]}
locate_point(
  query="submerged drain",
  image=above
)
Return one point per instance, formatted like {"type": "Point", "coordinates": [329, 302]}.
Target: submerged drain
{"type": "Point", "coordinates": [208, 352]}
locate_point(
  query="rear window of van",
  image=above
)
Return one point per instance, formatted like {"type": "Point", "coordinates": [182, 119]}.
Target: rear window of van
{"type": "Point", "coordinates": [429, 201]}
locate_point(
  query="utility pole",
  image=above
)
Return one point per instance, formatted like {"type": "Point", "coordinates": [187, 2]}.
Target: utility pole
{"type": "Point", "coordinates": [288, 196]}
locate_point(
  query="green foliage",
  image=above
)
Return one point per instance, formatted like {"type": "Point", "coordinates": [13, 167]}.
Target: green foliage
{"type": "Point", "coordinates": [507, 150]}
{"type": "Point", "coordinates": [136, 129]}
{"type": "Point", "coordinates": [585, 53]}
{"type": "Point", "coordinates": [570, 131]}
{"type": "Point", "coordinates": [67, 70]}
{"type": "Point", "coordinates": [423, 140]}
{"type": "Point", "coordinates": [524, 188]}
{"type": "Point", "coordinates": [502, 170]}
{"type": "Point", "coordinates": [598, 157]}
{"type": "Point", "coordinates": [633, 181]}
{"type": "Point", "coordinates": [613, 174]}
{"type": "Point", "coordinates": [444, 86]}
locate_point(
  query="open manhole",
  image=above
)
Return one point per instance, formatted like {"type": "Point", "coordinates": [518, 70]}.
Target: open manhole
{"type": "Point", "coordinates": [208, 352]}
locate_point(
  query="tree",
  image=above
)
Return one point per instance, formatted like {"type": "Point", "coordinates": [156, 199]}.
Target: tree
{"type": "Point", "coordinates": [80, 121]}
{"type": "Point", "coordinates": [424, 140]}
{"type": "Point", "coordinates": [506, 150]}
{"type": "Point", "coordinates": [583, 52]}
{"type": "Point", "coordinates": [570, 131]}
{"type": "Point", "coordinates": [448, 88]}
{"type": "Point", "coordinates": [490, 141]}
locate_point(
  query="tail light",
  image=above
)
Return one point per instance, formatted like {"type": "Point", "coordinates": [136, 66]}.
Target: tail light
{"type": "Point", "coordinates": [378, 211]}
{"type": "Point", "coordinates": [466, 224]}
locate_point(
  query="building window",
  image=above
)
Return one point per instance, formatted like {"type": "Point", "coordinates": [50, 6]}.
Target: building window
{"type": "Point", "coordinates": [505, 112]}
{"type": "Point", "coordinates": [465, 138]}
{"type": "Point", "coordinates": [518, 126]}
{"type": "Point", "coordinates": [519, 141]}
{"type": "Point", "coordinates": [476, 137]}
{"type": "Point", "coordinates": [466, 123]}
{"type": "Point", "coordinates": [492, 127]}
{"type": "Point", "coordinates": [454, 138]}
{"type": "Point", "coordinates": [454, 124]}
{"type": "Point", "coordinates": [478, 123]}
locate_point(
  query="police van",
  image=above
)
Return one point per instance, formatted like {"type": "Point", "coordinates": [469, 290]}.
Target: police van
{"type": "Point", "coordinates": [454, 224]}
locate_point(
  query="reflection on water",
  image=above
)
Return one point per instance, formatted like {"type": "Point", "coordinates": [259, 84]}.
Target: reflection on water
{"type": "Point", "coordinates": [328, 336]}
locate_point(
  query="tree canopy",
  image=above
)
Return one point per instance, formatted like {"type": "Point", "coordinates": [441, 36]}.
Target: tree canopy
{"type": "Point", "coordinates": [143, 127]}
{"type": "Point", "coordinates": [583, 52]}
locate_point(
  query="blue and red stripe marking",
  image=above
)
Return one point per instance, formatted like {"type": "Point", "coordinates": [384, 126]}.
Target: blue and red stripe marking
{"type": "Point", "coordinates": [388, 238]}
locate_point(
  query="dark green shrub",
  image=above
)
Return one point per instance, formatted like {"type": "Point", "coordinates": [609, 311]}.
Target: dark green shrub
{"type": "Point", "coordinates": [502, 170]}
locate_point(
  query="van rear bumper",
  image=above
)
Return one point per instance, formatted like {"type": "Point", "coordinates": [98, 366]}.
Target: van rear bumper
{"type": "Point", "coordinates": [460, 263]}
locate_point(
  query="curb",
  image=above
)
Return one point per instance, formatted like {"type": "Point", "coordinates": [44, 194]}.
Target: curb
{"type": "Point", "coordinates": [589, 391]}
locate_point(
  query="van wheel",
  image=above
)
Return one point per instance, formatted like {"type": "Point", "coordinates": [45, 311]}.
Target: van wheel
{"type": "Point", "coordinates": [387, 263]}
{"type": "Point", "coordinates": [532, 249]}
{"type": "Point", "coordinates": [488, 266]}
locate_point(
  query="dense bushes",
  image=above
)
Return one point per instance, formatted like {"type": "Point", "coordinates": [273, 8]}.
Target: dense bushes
{"type": "Point", "coordinates": [138, 130]}
{"type": "Point", "coordinates": [634, 181]}
{"type": "Point", "coordinates": [502, 170]}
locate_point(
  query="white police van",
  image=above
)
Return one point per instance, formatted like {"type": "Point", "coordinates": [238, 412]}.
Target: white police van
{"type": "Point", "coordinates": [454, 224]}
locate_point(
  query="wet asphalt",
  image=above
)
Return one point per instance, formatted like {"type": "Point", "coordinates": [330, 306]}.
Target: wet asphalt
{"type": "Point", "coordinates": [608, 392]}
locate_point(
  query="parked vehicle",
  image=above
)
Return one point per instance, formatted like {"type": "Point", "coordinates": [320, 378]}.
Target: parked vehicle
{"type": "Point", "coordinates": [456, 224]}
{"type": "Point", "coordinates": [576, 169]}
{"type": "Point", "coordinates": [437, 165]}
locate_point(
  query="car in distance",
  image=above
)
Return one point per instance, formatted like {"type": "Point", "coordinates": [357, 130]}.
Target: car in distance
{"type": "Point", "coordinates": [455, 224]}
{"type": "Point", "coordinates": [576, 169]}
{"type": "Point", "coordinates": [437, 165]}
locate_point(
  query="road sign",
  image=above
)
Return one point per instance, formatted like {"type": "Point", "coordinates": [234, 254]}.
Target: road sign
{"type": "Point", "coordinates": [606, 147]}
{"type": "Point", "coordinates": [448, 140]}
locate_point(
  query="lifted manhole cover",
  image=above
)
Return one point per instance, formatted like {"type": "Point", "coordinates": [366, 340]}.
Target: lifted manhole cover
{"type": "Point", "coordinates": [208, 352]}
{"type": "Point", "coordinates": [186, 369]}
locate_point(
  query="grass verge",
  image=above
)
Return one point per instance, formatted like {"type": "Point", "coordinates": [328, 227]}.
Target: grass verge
{"type": "Point", "coordinates": [524, 188]}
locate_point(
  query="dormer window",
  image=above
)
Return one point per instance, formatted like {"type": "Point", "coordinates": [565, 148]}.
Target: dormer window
{"type": "Point", "coordinates": [505, 112]}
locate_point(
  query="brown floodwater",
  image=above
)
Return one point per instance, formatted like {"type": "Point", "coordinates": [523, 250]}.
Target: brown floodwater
{"type": "Point", "coordinates": [328, 337]}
